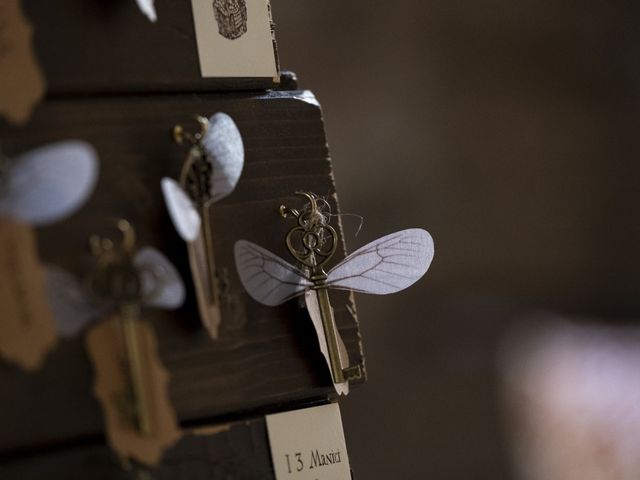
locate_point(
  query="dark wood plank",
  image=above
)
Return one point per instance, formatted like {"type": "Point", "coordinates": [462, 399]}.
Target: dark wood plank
{"type": "Point", "coordinates": [239, 451]}
{"type": "Point", "coordinates": [110, 46]}
{"type": "Point", "coordinates": [265, 356]}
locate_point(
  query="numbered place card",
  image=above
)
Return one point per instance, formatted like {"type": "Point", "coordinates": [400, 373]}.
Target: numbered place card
{"type": "Point", "coordinates": [234, 38]}
{"type": "Point", "coordinates": [309, 444]}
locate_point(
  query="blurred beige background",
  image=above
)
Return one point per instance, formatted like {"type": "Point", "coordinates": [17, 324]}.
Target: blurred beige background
{"type": "Point", "coordinates": [508, 130]}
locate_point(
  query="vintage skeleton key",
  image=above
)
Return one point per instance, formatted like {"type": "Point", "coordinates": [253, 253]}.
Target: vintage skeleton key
{"type": "Point", "coordinates": [210, 172]}
{"type": "Point", "coordinates": [317, 242]}
{"type": "Point", "coordinates": [195, 179]}
{"type": "Point", "coordinates": [387, 265]}
{"type": "Point", "coordinates": [117, 280]}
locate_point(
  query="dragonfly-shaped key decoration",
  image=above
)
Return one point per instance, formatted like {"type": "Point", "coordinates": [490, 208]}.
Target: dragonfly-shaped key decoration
{"type": "Point", "coordinates": [124, 280]}
{"type": "Point", "coordinates": [37, 188]}
{"type": "Point", "coordinates": [387, 265]}
{"type": "Point", "coordinates": [210, 173]}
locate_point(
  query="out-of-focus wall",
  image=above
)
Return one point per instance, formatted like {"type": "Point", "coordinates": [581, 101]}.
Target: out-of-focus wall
{"type": "Point", "coordinates": [507, 129]}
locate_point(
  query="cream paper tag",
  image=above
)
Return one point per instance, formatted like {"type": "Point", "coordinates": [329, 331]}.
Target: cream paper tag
{"type": "Point", "coordinates": [210, 314]}
{"type": "Point", "coordinates": [21, 80]}
{"type": "Point", "coordinates": [105, 345]}
{"type": "Point", "coordinates": [234, 38]}
{"type": "Point", "coordinates": [27, 327]}
{"type": "Point", "coordinates": [309, 444]}
{"type": "Point", "coordinates": [311, 301]}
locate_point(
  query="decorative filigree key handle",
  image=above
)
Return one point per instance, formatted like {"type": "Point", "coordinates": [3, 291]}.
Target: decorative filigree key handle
{"type": "Point", "coordinates": [316, 243]}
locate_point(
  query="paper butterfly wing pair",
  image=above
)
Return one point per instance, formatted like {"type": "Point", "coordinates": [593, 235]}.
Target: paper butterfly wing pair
{"type": "Point", "coordinates": [387, 265]}
{"type": "Point", "coordinates": [47, 184]}
{"type": "Point", "coordinates": [74, 309]}
{"type": "Point", "coordinates": [223, 147]}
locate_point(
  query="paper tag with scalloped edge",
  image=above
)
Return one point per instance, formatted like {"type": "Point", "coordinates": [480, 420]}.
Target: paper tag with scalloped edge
{"type": "Point", "coordinates": [27, 327]}
{"type": "Point", "coordinates": [107, 350]}
{"type": "Point", "coordinates": [21, 80]}
{"type": "Point", "coordinates": [309, 444]}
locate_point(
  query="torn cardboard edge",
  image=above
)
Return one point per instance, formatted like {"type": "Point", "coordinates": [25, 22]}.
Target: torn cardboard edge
{"type": "Point", "coordinates": [27, 327]}
{"type": "Point", "coordinates": [21, 77]}
{"type": "Point", "coordinates": [112, 387]}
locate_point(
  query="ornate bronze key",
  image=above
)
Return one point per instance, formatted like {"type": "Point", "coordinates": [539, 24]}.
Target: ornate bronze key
{"type": "Point", "coordinates": [312, 243]}
{"type": "Point", "coordinates": [116, 280]}
{"type": "Point", "coordinates": [195, 179]}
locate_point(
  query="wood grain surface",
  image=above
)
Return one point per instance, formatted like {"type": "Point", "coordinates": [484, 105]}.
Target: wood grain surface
{"type": "Point", "coordinates": [92, 46]}
{"type": "Point", "coordinates": [239, 451]}
{"type": "Point", "coordinates": [265, 357]}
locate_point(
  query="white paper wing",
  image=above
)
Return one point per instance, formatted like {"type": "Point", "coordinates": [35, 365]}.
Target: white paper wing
{"type": "Point", "coordinates": [162, 286]}
{"type": "Point", "coordinates": [50, 183]}
{"type": "Point", "coordinates": [387, 265]}
{"type": "Point", "coordinates": [266, 277]}
{"type": "Point", "coordinates": [71, 308]}
{"type": "Point", "coordinates": [147, 7]}
{"type": "Point", "coordinates": [184, 216]}
{"type": "Point", "coordinates": [223, 145]}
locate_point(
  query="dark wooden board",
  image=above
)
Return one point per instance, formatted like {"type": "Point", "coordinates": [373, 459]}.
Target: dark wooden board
{"type": "Point", "coordinates": [266, 356]}
{"type": "Point", "coordinates": [239, 451]}
{"type": "Point", "coordinates": [91, 46]}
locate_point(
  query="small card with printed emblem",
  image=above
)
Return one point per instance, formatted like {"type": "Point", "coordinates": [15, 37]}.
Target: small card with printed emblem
{"type": "Point", "coordinates": [309, 444]}
{"type": "Point", "coordinates": [234, 38]}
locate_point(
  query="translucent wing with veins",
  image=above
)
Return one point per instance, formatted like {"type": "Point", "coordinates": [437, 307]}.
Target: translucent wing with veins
{"type": "Point", "coordinates": [162, 286]}
{"type": "Point", "coordinates": [49, 183]}
{"type": "Point", "coordinates": [183, 213]}
{"type": "Point", "coordinates": [387, 265]}
{"type": "Point", "coordinates": [72, 309]}
{"type": "Point", "coordinates": [223, 144]}
{"type": "Point", "coordinates": [266, 277]}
